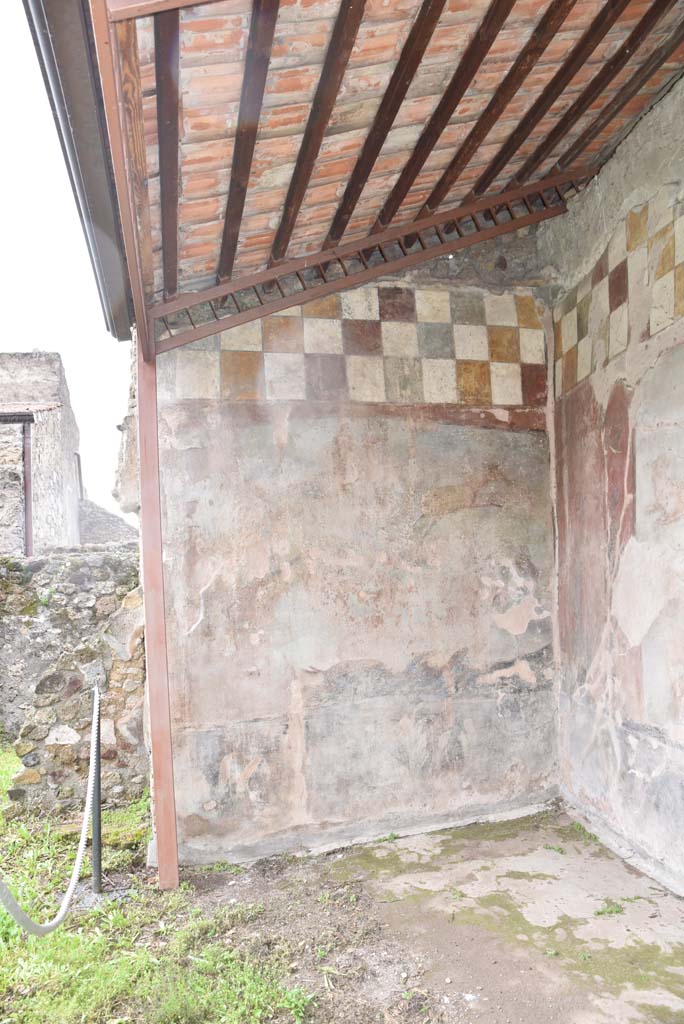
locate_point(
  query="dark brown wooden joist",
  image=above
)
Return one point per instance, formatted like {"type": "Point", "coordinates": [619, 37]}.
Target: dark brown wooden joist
{"type": "Point", "coordinates": [600, 26]}
{"type": "Point", "coordinates": [166, 40]}
{"type": "Point", "coordinates": [552, 19]}
{"type": "Point", "coordinates": [407, 65]}
{"type": "Point", "coordinates": [257, 58]}
{"type": "Point", "coordinates": [594, 90]}
{"type": "Point", "coordinates": [475, 52]}
{"type": "Point", "coordinates": [336, 59]}
{"type": "Point", "coordinates": [622, 98]}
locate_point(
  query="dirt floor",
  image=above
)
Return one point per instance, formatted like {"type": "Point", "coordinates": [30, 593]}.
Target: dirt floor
{"type": "Point", "coordinates": [524, 922]}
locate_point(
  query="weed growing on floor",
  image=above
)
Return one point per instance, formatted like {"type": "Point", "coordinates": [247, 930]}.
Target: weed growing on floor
{"type": "Point", "coordinates": [148, 958]}
{"type": "Point", "coordinates": [390, 838]}
{"type": "Point", "coordinates": [609, 907]}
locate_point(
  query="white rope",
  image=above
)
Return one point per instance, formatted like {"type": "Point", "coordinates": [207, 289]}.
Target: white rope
{"type": "Point", "coordinates": [6, 897]}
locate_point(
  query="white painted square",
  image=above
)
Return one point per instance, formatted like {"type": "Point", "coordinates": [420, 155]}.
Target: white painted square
{"type": "Point", "coordinates": [583, 288]}
{"type": "Point", "coordinates": [198, 375]}
{"type": "Point", "coordinates": [558, 378]}
{"type": "Point", "coordinates": [361, 304]}
{"type": "Point", "coordinates": [284, 372]}
{"type": "Point", "coordinates": [501, 311]}
{"type": "Point", "coordinates": [662, 303]}
{"type": "Point", "coordinates": [439, 380]}
{"type": "Point", "coordinates": [399, 339]}
{"type": "Point", "coordinates": [660, 211]}
{"type": "Point", "coordinates": [584, 357]}
{"type": "Point", "coordinates": [322, 336]}
{"type": "Point", "coordinates": [366, 378]}
{"type": "Point", "coordinates": [619, 330]}
{"type": "Point", "coordinates": [243, 338]}
{"type": "Point", "coordinates": [569, 330]}
{"type": "Point", "coordinates": [532, 345]}
{"type": "Point", "coordinates": [600, 306]}
{"type": "Point", "coordinates": [617, 247]}
{"type": "Point", "coordinates": [506, 383]}
{"type": "Point", "coordinates": [433, 306]}
{"type": "Point", "coordinates": [471, 342]}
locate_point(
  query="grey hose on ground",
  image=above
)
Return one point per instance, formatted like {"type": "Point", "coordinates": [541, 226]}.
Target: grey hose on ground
{"type": "Point", "coordinates": [6, 897]}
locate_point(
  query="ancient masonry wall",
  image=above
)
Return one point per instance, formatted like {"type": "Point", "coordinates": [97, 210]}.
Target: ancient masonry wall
{"type": "Point", "coordinates": [619, 424]}
{"type": "Point", "coordinates": [70, 621]}
{"type": "Point", "coordinates": [358, 555]}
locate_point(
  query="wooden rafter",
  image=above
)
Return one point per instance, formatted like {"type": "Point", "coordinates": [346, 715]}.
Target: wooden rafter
{"type": "Point", "coordinates": [628, 91]}
{"type": "Point", "coordinates": [336, 59]}
{"type": "Point", "coordinates": [594, 90]}
{"type": "Point", "coordinates": [166, 40]}
{"type": "Point", "coordinates": [604, 20]}
{"type": "Point", "coordinates": [475, 52]}
{"type": "Point", "coordinates": [122, 10]}
{"type": "Point", "coordinates": [257, 58]}
{"type": "Point", "coordinates": [550, 22]}
{"type": "Point", "coordinates": [407, 65]}
{"type": "Point", "coordinates": [352, 263]}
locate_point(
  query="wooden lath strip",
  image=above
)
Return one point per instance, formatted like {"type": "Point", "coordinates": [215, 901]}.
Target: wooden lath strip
{"type": "Point", "coordinates": [542, 35]}
{"type": "Point", "coordinates": [407, 65]}
{"type": "Point", "coordinates": [166, 62]}
{"type": "Point", "coordinates": [602, 23]}
{"type": "Point", "coordinates": [628, 91]}
{"type": "Point", "coordinates": [475, 52]}
{"type": "Point", "coordinates": [353, 279]}
{"type": "Point", "coordinates": [122, 10]}
{"type": "Point", "coordinates": [257, 58]}
{"type": "Point", "coordinates": [335, 270]}
{"type": "Point", "coordinates": [594, 90]}
{"type": "Point", "coordinates": [337, 56]}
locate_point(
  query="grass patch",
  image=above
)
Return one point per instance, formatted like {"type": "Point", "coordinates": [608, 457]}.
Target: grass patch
{"type": "Point", "coordinates": [609, 907]}
{"type": "Point", "coordinates": [151, 958]}
{"type": "Point", "coordinates": [9, 766]}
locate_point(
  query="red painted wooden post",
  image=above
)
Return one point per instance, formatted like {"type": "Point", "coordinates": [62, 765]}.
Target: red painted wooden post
{"type": "Point", "coordinates": [155, 627]}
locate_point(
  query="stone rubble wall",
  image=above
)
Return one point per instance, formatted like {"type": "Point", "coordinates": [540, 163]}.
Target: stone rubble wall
{"type": "Point", "coordinates": [70, 621]}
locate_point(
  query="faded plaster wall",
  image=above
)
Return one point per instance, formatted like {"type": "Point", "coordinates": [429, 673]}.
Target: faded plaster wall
{"type": "Point", "coordinates": [619, 378]}
{"type": "Point", "coordinates": [358, 588]}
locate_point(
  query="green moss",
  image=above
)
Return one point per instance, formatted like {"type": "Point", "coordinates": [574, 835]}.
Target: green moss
{"type": "Point", "coordinates": [643, 965]}
{"type": "Point", "coordinates": [9, 766]}
{"type": "Point", "coordinates": [30, 609]}
{"type": "Point", "coordinates": [528, 876]}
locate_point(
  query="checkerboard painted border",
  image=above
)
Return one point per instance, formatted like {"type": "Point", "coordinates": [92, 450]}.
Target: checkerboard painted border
{"type": "Point", "coordinates": [634, 291]}
{"type": "Point", "coordinates": [391, 343]}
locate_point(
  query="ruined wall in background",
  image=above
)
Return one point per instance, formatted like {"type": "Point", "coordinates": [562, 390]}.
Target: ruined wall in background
{"type": "Point", "coordinates": [357, 551]}
{"type": "Point", "coordinates": [35, 381]}
{"type": "Point", "coordinates": [619, 372]}
{"type": "Point", "coordinates": [70, 621]}
{"type": "Point", "coordinates": [11, 489]}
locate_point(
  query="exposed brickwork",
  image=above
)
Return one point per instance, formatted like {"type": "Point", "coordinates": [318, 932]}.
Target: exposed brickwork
{"type": "Point", "coordinates": [213, 41]}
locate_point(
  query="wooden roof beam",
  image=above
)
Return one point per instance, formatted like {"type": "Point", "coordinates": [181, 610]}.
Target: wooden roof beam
{"type": "Point", "coordinates": [608, 14]}
{"type": "Point", "coordinates": [257, 58]}
{"type": "Point", "coordinates": [402, 76]}
{"type": "Point", "coordinates": [597, 85]}
{"type": "Point", "coordinates": [166, 41]}
{"type": "Point", "coordinates": [628, 91]}
{"type": "Point", "coordinates": [477, 49]}
{"type": "Point", "coordinates": [336, 59]}
{"type": "Point", "coordinates": [542, 35]}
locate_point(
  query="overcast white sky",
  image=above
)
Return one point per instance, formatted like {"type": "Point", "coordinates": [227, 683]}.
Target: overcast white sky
{"type": "Point", "coordinates": [42, 242]}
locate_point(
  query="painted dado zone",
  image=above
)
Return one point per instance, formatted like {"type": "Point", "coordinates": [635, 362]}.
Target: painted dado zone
{"type": "Point", "coordinates": [358, 573]}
